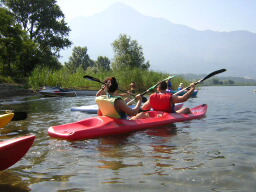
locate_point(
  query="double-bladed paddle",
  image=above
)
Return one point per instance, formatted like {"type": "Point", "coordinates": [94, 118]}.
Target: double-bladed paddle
{"type": "Point", "coordinates": [144, 99]}
{"type": "Point", "coordinates": [18, 115]}
{"type": "Point", "coordinates": [151, 88]}
{"type": "Point", "coordinates": [201, 80]}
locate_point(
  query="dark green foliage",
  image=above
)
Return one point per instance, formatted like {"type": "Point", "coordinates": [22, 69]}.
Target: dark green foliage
{"type": "Point", "coordinates": [102, 63]}
{"type": "Point", "coordinates": [128, 54]}
{"type": "Point", "coordinates": [36, 33]}
{"type": "Point", "coordinates": [79, 58]}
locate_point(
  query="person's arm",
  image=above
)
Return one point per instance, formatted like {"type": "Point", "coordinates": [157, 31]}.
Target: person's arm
{"type": "Point", "coordinates": [122, 106]}
{"type": "Point", "coordinates": [186, 96]}
{"type": "Point", "coordinates": [123, 94]}
{"type": "Point", "coordinates": [102, 91]}
{"type": "Point", "coordinates": [146, 106]}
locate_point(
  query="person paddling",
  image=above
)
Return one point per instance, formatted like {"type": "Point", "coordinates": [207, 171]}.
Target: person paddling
{"type": "Point", "coordinates": [164, 101]}
{"type": "Point", "coordinates": [112, 105]}
{"type": "Point", "coordinates": [169, 84]}
{"type": "Point", "coordinates": [103, 91]}
{"type": "Point", "coordinates": [132, 87]}
{"type": "Point", "coordinates": [181, 86]}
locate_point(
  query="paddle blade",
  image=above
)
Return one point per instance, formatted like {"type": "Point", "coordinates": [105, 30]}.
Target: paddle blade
{"type": "Point", "coordinates": [211, 74]}
{"type": "Point", "coordinates": [88, 77]}
{"type": "Point", "coordinates": [144, 99]}
{"type": "Point", "coordinates": [18, 115]}
{"type": "Point", "coordinates": [201, 80]}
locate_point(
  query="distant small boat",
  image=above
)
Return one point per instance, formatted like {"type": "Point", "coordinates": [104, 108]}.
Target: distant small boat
{"type": "Point", "coordinates": [57, 91]}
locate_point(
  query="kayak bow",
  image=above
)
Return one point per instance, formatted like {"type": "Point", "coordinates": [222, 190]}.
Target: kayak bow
{"type": "Point", "coordinates": [5, 119]}
{"type": "Point", "coordinates": [12, 150]}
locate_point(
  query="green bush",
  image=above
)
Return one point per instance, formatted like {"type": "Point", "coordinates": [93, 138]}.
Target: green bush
{"type": "Point", "coordinates": [8, 80]}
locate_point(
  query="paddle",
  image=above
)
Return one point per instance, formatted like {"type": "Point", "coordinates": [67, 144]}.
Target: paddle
{"type": "Point", "coordinates": [201, 80]}
{"type": "Point", "coordinates": [144, 99]}
{"type": "Point", "coordinates": [151, 88]}
{"type": "Point", "coordinates": [18, 115]}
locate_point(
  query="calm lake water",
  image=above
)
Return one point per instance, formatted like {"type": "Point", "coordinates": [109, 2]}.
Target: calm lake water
{"type": "Point", "coordinates": [216, 153]}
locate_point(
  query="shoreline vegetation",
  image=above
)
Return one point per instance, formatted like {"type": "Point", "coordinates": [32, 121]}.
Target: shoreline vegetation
{"type": "Point", "coordinates": [63, 78]}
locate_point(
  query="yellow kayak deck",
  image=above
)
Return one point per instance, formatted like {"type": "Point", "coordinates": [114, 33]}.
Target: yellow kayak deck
{"type": "Point", "coordinates": [5, 119]}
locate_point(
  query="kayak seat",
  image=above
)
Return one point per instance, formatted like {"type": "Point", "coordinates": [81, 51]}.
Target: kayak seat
{"type": "Point", "coordinates": [93, 122]}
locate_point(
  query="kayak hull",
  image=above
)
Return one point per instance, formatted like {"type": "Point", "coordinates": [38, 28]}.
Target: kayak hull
{"type": "Point", "coordinates": [12, 150]}
{"type": "Point", "coordinates": [101, 126]}
{"type": "Point", "coordinates": [93, 109]}
{"type": "Point", "coordinates": [5, 119]}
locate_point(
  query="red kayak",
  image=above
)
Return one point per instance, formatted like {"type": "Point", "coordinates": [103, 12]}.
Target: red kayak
{"type": "Point", "coordinates": [100, 126]}
{"type": "Point", "coordinates": [12, 150]}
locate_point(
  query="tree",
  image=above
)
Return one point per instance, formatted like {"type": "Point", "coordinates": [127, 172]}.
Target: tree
{"type": "Point", "coordinates": [44, 23]}
{"type": "Point", "coordinates": [229, 82]}
{"type": "Point", "coordinates": [216, 82]}
{"type": "Point", "coordinates": [11, 43]}
{"type": "Point", "coordinates": [102, 63]}
{"type": "Point", "coordinates": [127, 53]}
{"type": "Point", "coordinates": [79, 58]}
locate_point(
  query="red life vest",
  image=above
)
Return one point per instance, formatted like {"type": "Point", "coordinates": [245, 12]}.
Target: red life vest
{"type": "Point", "coordinates": [161, 102]}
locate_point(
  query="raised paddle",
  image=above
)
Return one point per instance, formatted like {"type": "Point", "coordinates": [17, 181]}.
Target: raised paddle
{"type": "Point", "coordinates": [151, 88]}
{"type": "Point", "coordinates": [18, 115]}
{"type": "Point", "coordinates": [144, 99]}
{"type": "Point", "coordinates": [201, 80]}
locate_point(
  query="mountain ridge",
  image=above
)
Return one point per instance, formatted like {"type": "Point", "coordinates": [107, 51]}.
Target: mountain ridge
{"type": "Point", "coordinates": [169, 47]}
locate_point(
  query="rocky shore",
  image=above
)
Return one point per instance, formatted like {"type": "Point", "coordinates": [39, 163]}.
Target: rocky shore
{"type": "Point", "coordinates": [9, 91]}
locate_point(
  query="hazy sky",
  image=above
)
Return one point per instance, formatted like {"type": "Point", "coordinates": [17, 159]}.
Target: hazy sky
{"type": "Point", "coordinates": [216, 15]}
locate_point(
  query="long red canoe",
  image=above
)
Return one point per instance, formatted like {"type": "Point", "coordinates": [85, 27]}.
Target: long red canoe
{"type": "Point", "coordinates": [12, 150]}
{"type": "Point", "coordinates": [100, 126]}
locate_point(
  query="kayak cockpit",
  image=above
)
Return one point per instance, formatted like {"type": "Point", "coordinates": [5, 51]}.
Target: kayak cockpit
{"type": "Point", "coordinates": [156, 114]}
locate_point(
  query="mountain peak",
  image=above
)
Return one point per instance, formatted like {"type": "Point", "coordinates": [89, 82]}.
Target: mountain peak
{"type": "Point", "coordinates": [181, 48]}
{"type": "Point", "coordinates": [121, 8]}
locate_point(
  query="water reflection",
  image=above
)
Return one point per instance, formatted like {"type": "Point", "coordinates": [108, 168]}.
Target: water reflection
{"type": "Point", "coordinates": [16, 184]}
{"type": "Point", "coordinates": [116, 150]}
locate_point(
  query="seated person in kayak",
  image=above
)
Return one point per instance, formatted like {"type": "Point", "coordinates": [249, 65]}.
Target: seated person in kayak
{"type": "Point", "coordinates": [164, 101]}
{"type": "Point", "coordinates": [103, 91]}
{"type": "Point", "coordinates": [113, 105]}
{"type": "Point", "coordinates": [132, 87]}
{"type": "Point", "coordinates": [169, 84]}
{"type": "Point", "coordinates": [180, 87]}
